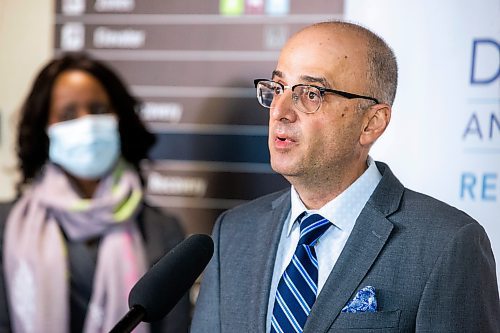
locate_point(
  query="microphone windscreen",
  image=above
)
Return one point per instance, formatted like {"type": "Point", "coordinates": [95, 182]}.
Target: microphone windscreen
{"type": "Point", "coordinates": [171, 277]}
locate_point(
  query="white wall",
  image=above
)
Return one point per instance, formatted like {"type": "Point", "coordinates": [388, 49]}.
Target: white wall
{"type": "Point", "coordinates": [444, 138]}
{"type": "Point", "coordinates": [26, 33]}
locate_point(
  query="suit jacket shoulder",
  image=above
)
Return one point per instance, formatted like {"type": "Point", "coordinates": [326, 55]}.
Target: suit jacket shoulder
{"type": "Point", "coordinates": [412, 208]}
{"type": "Point", "coordinates": [431, 265]}
{"type": "Point", "coordinates": [234, 291]}
{"type": "Point", "coordinates": [255, 208]}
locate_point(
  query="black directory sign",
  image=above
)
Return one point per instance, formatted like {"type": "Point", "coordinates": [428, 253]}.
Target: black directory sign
{"type": "Point", "coordinates": [192, 63]}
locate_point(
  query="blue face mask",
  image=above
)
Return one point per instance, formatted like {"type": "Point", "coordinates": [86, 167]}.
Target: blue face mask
{"type": "Point", "coordinates": [86, 147]}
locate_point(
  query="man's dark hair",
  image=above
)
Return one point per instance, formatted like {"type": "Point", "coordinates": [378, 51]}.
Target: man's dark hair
{"type": "Point", "coordinates": [32, 140]}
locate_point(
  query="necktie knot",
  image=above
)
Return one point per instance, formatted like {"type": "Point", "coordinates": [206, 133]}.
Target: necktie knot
{"type": "Point", "coordinates": [312, 228]}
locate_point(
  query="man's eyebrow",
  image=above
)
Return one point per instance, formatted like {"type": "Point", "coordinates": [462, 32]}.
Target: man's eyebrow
{"type": "Point", "coordinates": [312, 79]}
{"type": "Point", "coordinates": [277, 73]}
{"type": "Point", "coordinates": [304, 78]}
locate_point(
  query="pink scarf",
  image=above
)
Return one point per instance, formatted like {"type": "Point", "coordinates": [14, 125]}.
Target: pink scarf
{"type": "Point", "coordinates": [35, 254]}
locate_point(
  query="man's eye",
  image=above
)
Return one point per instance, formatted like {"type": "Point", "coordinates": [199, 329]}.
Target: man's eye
{"type": "Point", "coordinates": [312, 95]}
{"type": "Point", "coordinates": [278, 90]}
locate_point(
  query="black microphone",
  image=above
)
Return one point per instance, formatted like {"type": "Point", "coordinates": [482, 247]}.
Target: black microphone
{"type": "Point", "coordinates": [159, 290]}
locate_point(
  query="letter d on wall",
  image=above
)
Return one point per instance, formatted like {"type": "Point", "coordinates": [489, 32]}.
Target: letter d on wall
{"type": "Point", "coordinates": [485, 61]}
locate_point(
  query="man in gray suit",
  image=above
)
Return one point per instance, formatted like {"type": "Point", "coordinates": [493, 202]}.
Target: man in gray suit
{"type": "Point", "coordinates": [383, 258]}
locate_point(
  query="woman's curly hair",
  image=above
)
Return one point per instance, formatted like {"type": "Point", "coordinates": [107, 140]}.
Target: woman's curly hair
{"type": "Point", "coordinates": [33, 142]}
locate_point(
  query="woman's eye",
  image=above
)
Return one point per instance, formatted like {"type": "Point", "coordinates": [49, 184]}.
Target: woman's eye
{"type": "Point", "coordinates": [98, 108]}
{"type": "Point", "coordinates": [68, 113]}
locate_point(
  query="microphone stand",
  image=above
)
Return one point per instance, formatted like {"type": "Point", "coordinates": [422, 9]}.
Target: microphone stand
{"type": "Point", "coordinates": [133, 317]}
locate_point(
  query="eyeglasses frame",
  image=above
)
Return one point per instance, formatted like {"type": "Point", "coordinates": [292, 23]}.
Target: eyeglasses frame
{"type": "Point", "coordinates": [322, 91]}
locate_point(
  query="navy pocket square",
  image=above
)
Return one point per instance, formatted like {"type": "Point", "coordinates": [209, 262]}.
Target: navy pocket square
{"type": "Point", "coordinates": [364, 301]}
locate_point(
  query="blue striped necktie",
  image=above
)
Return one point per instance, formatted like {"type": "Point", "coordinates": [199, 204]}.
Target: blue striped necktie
{"type": "Point", "coordinates": [298, 286]}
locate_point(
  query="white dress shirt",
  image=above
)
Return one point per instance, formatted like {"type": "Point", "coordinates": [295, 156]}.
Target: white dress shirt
{"type": "Point", "coordinates": [341, 211]}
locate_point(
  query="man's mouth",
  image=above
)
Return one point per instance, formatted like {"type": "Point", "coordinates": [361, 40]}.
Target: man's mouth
{"type": "Point", "coordinates": [283, 142]}
{"type": "Point", "coordinates": [285, 137]}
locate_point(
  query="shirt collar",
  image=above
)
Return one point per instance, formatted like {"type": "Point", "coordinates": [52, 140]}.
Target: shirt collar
{"type": "Point", "coordinates": [344, 209]}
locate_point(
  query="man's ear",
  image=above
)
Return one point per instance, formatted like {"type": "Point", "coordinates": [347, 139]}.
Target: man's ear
{"type": "Point", "coordinates": [377, 119]}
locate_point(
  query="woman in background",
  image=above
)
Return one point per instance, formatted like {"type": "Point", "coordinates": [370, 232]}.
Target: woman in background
{"type": "Point", "coordinates": [80, 235]}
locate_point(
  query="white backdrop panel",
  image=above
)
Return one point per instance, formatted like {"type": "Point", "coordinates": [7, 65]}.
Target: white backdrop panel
{"type": "Point", "coordinates": [444, 137]}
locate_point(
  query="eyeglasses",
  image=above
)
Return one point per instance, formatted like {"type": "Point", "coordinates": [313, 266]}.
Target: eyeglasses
{"type": "Point", "coordinates": [307, 98]}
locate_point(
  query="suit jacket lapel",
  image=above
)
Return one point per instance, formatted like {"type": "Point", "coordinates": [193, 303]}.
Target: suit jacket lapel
{"type": "Point", "coordinates": [269, 232]}
{"type": "Point", "coordinates": [368, 237]}
{"type": "Point", "coordinates": [362, 248]}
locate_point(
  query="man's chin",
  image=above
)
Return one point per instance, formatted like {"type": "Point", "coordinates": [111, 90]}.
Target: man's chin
{"type": "Point", "coordinates": [284, 169]}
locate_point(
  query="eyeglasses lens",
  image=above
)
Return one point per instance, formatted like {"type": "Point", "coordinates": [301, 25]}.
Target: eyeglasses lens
{"type": "Point", "coordinates": [306, 98]}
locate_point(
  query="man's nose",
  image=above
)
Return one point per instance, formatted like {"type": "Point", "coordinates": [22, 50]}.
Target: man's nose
{"type": "Point", "coordinates": [282, 107]}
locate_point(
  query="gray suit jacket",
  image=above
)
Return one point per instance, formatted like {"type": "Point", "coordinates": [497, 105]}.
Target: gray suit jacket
{"type": "Point", "coordinates": [431, 265]}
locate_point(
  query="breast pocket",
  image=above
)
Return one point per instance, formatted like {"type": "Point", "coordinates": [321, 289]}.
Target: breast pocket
{"type": "Point", "coordinates": [384, 321]}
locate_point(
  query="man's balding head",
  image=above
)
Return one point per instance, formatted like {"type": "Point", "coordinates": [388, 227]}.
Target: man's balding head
{"type": "Point", "coordinates": [379, 62]}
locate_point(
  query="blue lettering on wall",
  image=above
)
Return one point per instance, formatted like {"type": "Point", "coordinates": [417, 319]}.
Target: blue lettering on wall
{"type": "Point", "coordinates": [473, 127]}
{"type": "Point", "coordinates": [479, 186]}
{"type": "Point", "coordinates": [493, 72]}
{"type": "Point", "coordinates": [489, 187]}
{"type": "Point", "coordinates": [467, 185]}
{"type": "Point", "coordinates": [477, 125]}
{"type": "Point", "coordinates": [494, 121]}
